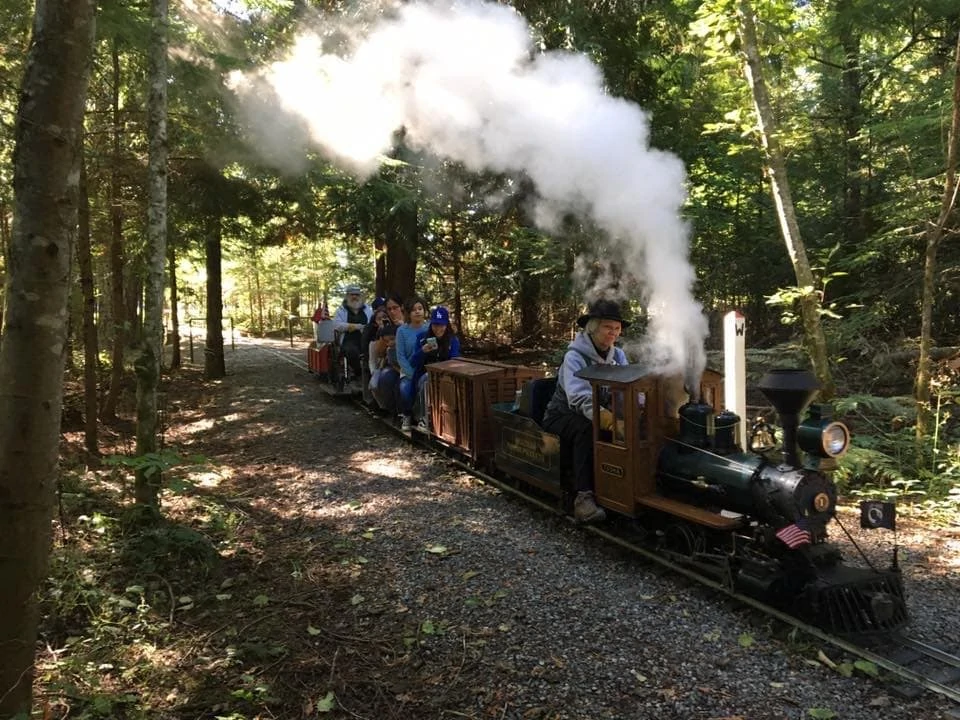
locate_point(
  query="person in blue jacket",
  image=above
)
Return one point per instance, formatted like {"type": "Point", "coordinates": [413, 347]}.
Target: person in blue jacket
{"type": "Point", "coordinates": [569, 413]}
{"type": "Point", "coordinates": [409, 336]}
{"type": "Point", "coordinates": [440, 342]}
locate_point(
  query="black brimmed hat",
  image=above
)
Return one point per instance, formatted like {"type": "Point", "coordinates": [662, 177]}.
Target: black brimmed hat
{"type": "Point", "coordinates": [603, 310]}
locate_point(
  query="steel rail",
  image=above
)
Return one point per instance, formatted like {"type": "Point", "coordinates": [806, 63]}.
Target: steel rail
{"type": "Point", "coordinates": [927, 650]}
{"type": "Point", "coordinates": [296, 362]}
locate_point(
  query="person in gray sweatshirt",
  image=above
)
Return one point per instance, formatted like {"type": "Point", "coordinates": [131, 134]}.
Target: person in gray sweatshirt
{"type": "Point", "coordinates": [569, 413]}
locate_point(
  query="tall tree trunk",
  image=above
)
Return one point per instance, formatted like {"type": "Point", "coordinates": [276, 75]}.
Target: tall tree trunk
{"type": "Point", "coordinates": [251, 299]}
{"type": "Point", "coordinates": [4, 253]}
{"type": "Point", "coordinates": [380, 266]}
{"type": "Point", "coordinates": [529, 294]}
{"type": "Point", "coordinates": [4, 228]}
{"type": "Point", "coordinates": [214, 363]}
{"type": "Point", "coordinates": [91, 347]}
{"type": "Point", "coordinates": [814, 339]}
{"type": "Point", "coordinates": [457, 249]}
{"type": "Point", "coordinates": [147, 486]}
{"type": "Point", "coordinates": [117, 255]}
{"type": "Point", "coordinates": [175, 359]}
{"type": "Point", "coordinates": [46, 176]}
{"type": "Point", "coordinates": [402, 244]}
{"type": "Point", "coordinates": [134, 299]}
{"type": "Point", "coordinates": [851, 103]}
{"type": "Point", "coordinates": [933, 237]}
{"type": "Point", "coordinates": [261, 318]}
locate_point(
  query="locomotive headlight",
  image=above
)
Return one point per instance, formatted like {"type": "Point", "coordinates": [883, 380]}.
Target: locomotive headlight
{"type": "Point", "coordinates": [822, 436]}
{"type": "Point", "coordinates": [836, 438]}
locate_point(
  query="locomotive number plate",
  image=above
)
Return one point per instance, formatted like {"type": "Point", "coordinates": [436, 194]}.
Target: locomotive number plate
{"type": "Point", "coordinates": [821, 502]}
{"type": "Point", "coordinates": [610, 469]}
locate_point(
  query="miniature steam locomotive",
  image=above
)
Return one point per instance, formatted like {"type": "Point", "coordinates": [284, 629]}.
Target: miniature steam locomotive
{"type": "Point", "coordinates": [672, 469]}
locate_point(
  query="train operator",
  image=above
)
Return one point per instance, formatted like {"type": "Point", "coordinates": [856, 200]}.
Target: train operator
{"type": "Point", "coordinates": [351, 317]}
{"type": "Point", "coordinates": [569, 413]}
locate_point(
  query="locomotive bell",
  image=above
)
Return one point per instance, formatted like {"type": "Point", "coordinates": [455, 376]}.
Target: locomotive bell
{"type": "Point", "coordinates": [789, 391]}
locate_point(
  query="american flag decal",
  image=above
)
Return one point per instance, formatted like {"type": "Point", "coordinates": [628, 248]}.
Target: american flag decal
{"type": "Point", "coordinates": [794, 535]}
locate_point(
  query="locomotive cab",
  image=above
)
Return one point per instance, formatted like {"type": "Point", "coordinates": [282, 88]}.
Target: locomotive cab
{"type": "Point", "coordinates": [626, 458]}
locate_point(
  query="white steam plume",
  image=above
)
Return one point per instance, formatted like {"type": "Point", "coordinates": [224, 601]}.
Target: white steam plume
{"type": "Point", "coordinates": [465, 83]}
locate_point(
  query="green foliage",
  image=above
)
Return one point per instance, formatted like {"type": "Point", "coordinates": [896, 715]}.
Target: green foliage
{"type": "Point", "coordinates": [883, 451]}
{"type": "Point", "coordinates": [169, 548]}
{"type": "Point", "coordinates": [327, 703]}
{"type": "Point", "coordinates": [789, 298]}
{"type": "Point", "coordinates": [871, 472]}
{"type": "Point", "coordinates": [115, 586]}
{"type": "Point", "coordinates": [871, 408]}
{"type": "Point", "coordinates": [149, 463]}
{"type": "Point", "coordinates": [161, 461]}
{"type": "Point", "coordinates": [886, 461]}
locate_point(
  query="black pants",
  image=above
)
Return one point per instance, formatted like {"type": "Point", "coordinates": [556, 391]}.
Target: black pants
{"type": "Point", "coordinates": [350, 347]}
{"type": "Point", "coordinates": [576, 433]}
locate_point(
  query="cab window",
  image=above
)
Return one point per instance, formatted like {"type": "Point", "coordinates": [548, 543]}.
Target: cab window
{"type": "Point", "coordinates": [642, 416]}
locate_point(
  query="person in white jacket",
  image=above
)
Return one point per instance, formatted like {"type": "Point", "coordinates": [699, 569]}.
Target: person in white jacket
{"type": "Point", "coordinates": [350, 319]}
{"type": "Point", "coordinates": [569, 413]}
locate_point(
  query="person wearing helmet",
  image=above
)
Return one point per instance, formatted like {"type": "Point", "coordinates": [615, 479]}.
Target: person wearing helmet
{"type": "Point", "coordinates": [569, 413]}
{"type": "Point", "coordinates": [351, 318]}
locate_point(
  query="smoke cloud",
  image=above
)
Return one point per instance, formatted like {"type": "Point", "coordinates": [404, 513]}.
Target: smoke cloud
{"type": "Point", "coordinates": [464, 82]}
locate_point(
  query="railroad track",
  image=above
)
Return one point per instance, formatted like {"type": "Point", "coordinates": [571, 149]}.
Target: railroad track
{"type": "Point", "coordinates": [914, 665]}
{"type": "Point", "coordinates": [294, 356]}
{"type": "Point", "coordinates": [939, 666]}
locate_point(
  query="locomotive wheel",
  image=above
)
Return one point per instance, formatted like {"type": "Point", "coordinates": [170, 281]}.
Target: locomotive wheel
{"type": "Point", "coordinates": [682, 539]}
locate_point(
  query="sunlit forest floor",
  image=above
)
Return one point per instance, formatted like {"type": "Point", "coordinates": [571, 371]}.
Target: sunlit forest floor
{"type": "Point", "coordinates": [261, 593]}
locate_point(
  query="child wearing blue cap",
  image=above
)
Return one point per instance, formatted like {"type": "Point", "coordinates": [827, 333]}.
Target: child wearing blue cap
{"type": "Point", "coordinates": [439, 343]}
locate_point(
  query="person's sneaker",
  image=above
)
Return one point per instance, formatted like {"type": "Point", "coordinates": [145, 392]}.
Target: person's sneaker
{"type": "Point", "coordinates": [585, 508]}
{"type": "Point", "coordinates": [405, 423]}
{"type": "Point", "coordinates": [423, 426]}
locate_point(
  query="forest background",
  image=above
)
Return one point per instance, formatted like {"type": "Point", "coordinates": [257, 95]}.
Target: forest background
{"type": "Point", "coordinates": [861, 95]}
{"type": "Point", "coordinates": [863, 101]}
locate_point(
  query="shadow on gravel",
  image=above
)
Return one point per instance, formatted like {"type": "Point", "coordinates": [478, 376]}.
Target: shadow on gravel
{"type": "Point", "coordinates": [253, 596]}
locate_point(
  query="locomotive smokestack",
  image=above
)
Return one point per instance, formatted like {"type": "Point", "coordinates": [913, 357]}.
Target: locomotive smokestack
{"type": "Point", "coordinates": [691, 383]}
{"type": "Point", "coordinates": [789, 391]}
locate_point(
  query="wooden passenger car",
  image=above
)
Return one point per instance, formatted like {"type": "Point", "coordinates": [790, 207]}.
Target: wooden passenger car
{"type": "Point", "coordinates": [462, 393]}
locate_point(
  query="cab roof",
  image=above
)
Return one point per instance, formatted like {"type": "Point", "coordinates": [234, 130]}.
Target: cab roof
{"type": "Point", "coordinates": [615, 373]}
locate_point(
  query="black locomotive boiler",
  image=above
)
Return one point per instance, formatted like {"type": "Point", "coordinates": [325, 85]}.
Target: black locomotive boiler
{"type": "Point", "coordinates": [753, 520]}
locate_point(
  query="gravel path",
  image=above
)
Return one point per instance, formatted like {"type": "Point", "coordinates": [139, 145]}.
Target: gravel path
{"type": "Point", "coordinates": [474, 605]}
